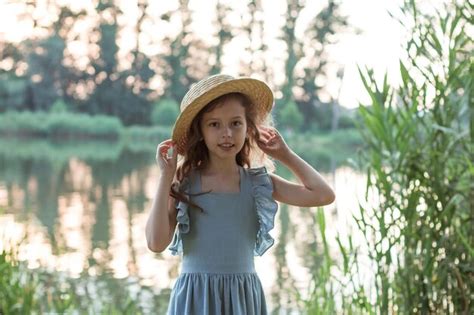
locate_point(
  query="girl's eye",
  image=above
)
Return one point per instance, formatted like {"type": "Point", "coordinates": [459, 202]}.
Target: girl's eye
{"type": "Point", "coordinates": [213, 124]}
{"type": "Point", "coordinates": [237, 123]}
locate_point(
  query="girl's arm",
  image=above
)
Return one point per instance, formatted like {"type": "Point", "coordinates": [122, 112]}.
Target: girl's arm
{"type": "Point", "coordinates": [313, 191]}
{"type": "Point", "coordinates": [162, 219]}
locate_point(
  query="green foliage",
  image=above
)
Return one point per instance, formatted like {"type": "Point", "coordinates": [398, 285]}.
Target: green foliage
{"type": "Point", "coordinates": [17, 288]}
{"type": "Point", "coordinates": [121, 88]}
{"type": "Point", "coordinates": [177, 72]}
{"type": "Point", "coordinates": [59, 106]}
{"type": "Point", "coordinates": [47, 75]}
{"type": "Point", "coordinates": [26, 122]}
{"type": "Point", "coordinates": [323, 115]}
{"type": "Point", "coordinates": [302, 70]}
{"type": "Point", "coordinates": [165, 112]}
{"type": "Point", "coordinates": [12, 91]}
{"type": "Point", "coordinates": [290, 116]}
{"type": "Point", "coordinates": [59, 151]}
{"type": "Point", "coordinates": [322, 293]}
{"type": "Point", "coordinates": [418, 161]}
{"type": "Point", "coordinates": [345, 122]}
{"type": "Point", "coordinates": [25, 291]}
{"type": "Point", "coordinates": [65, 125]}
{"type": "Point", "coordinates": [328, 290]}
{"type": "Point", "coordinates": [419, 235]}
{"type": "Point", "coordinates": [59, 125]}
{"type": "Point", "coordinates": [325, 149]}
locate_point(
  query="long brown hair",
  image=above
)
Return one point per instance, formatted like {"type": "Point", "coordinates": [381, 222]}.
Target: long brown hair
{"type": "Point", "coordinates": [197, 154]}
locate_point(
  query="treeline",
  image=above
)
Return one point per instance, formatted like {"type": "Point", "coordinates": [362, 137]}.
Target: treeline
{"type": "Point", "coordinates": [76, 61]}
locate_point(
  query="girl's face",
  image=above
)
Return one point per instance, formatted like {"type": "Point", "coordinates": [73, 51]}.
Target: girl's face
{"type": "Point", "coordinates": [224, 129]}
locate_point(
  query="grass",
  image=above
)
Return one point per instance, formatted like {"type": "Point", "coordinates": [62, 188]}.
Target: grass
{"type": "Point", "coordinates": [36, 291]}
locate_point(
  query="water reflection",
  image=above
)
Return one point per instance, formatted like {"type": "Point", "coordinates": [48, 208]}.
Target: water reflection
{"type": "Point", "coordinates": [83, 209]}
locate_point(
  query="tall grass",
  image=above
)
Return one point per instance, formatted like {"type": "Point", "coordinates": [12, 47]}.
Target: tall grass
{"type": "Point", "coordinates": [17, 288]}
{"type": "Point", "coordinates": [419, 164]}
{"type": "Point", "coordinates": [27, 291]}
{"type": "Point", "coordinates": [417, 222]}
{"type": "Point", "coordinates": [336, 284]}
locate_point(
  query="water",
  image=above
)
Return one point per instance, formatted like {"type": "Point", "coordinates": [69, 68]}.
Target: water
{"type": "Point", "coordinates": [81, 208]}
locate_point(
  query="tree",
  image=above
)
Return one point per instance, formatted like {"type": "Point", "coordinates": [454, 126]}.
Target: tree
{"type": "Point", "coordinates": [290, 116]}
{"type": "Point", "coordinates": [293, 47]}
{"type": "Point", "coordinates": [176, 73]}
{"type": "Point", "coordinates": [114, 94]}
{"type": "Point", "coordinates": [306, 57]}
{"type": "Point", "coordinates": [321, 32]}
{"type": "Point", "coordinates": [48, 76]}
{"type": "Point", "coordinates": [165, 112]}
{"type": "Point", "coordinates": [224, 35]}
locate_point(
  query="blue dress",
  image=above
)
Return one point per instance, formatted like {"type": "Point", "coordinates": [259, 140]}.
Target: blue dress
{"type": "Point", "coordinates": [218, 246]}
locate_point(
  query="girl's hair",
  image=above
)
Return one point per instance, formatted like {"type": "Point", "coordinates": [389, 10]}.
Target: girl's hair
{"type": "Point", "coordinates": [197, 155]}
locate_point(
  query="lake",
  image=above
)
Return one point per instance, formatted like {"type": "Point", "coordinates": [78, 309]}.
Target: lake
{"type": "Point", "coordinates": [80, 209]}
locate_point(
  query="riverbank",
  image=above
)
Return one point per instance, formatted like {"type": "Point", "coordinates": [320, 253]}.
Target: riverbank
{"type": "Point", "coordinates": [60, 136]}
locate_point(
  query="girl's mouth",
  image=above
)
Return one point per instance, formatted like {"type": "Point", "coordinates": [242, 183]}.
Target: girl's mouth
{"type": "Point", "coordinates": [226, 146]}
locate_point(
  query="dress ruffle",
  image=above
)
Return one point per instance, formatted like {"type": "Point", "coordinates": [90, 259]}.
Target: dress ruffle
{"type": "Point", "coordinates": [266, 208]}
{"type": "Point", "coordinates": [182, 218]}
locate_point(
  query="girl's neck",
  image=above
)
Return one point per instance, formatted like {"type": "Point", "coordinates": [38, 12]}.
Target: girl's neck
{"type": "Point", "coordinates": [222, 167]}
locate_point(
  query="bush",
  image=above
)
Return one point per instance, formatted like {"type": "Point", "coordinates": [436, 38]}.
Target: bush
{"type": "Point", "coordinates": [165, 112]}
{"type": "Point", "coordinates": [69, 125]}
{"type": "Point", "coordinates": [290, 116]}
{"type": "Point", "coordinates": [24, 123]}
{"type": "Point", "coordinates": [346, 122]}
{"type": "Point", "coordinates": [60, 125]}
{"type": "Point", "coordinates": [59, 106]}
{"type": "Point", "coordinates": [37, 291]}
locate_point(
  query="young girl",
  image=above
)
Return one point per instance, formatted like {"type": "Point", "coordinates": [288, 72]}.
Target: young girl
{"type": "Point", "coordinates": [223, 208]}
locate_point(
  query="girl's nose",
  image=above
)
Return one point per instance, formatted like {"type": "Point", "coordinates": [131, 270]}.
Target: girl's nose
{"type": "Point", "coordinates": [227, 132]}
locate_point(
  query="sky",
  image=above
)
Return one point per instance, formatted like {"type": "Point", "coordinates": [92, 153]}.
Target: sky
{"type": "Point", "coordinates": [378, 46]}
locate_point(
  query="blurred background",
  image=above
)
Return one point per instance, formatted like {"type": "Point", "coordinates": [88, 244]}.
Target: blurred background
{"type": "Point", "coordinates": [369, 92]}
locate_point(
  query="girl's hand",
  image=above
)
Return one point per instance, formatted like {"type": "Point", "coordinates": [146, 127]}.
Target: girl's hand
{"type": "Point", "coordinates": [166, 158]}
{"type": "Point", "coordinates": [272, 143]}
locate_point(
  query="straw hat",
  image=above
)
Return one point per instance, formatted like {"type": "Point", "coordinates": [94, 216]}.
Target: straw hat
{"type": "Point", "coordinates": [211, 88]}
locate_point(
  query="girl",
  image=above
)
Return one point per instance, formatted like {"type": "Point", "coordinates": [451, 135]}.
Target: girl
{"type": "Point", "coordinates": [222, 208]}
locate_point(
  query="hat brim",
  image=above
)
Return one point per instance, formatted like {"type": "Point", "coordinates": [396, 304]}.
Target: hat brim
{"type": "Point", "coordinates": [258, 92]}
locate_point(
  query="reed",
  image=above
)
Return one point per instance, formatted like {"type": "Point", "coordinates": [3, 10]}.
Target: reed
{"type": "Point", "coordinates": [416, 222]}
{"type": "Point", "coordinates": [419, 167]}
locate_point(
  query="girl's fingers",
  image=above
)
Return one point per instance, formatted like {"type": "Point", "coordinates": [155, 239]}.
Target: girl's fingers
{"type": "Point", "coordinates": [164, 146]}
{"type": "Point", "coordinates": [167, 141]}
{"type": "Point", "coordinates": [267, 129]}
{"type": "Point", "coordinates": [264, 132]}
{"type": "Point", "coordinates": [163, 151]}
{"type": "Point", "coordinates": [264, 138]}
{"type": "Point", "coordinates": [265, 135]}
{"type": "Point", "coordinates": [268, 136]}
{"type": "Point", "coordinates": [268, 132]}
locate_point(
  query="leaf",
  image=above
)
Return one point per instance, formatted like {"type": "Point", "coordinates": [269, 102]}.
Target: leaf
{"type": "Point", "coordinates": [344, 254]}
{"type": "Point", "coordinates": [444, 129]}
{"type": "Point", "coordinates": [404, 73]}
